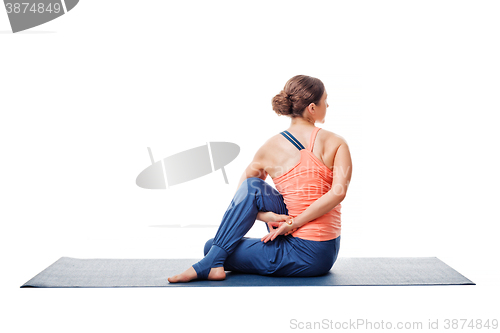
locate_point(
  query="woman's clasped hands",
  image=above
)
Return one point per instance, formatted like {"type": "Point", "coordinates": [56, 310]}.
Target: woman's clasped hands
{"type": "Point", "coordinates": [277, 225]}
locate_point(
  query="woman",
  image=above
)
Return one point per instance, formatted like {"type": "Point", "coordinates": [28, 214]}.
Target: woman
{"type": "Point", "coordinates": [311, 169]}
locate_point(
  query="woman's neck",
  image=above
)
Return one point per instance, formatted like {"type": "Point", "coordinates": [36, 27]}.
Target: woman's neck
{"type": "Point", "coordinates": [302, 122]}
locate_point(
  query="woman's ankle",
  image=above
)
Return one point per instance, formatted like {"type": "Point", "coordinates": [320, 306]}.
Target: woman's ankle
{"type": "Point", "coordinates": [217, 273]}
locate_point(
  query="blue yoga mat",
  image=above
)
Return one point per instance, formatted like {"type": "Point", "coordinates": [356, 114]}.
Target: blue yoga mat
{"type": "Point", "coordinates": [111, 273]}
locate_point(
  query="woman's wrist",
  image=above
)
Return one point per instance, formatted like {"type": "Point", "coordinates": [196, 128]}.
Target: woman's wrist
{"type": "Point", "coordinates": [266, 216]}
{"type": "Point", "coordinates": [297, 222]}
{"type": "Point", "coordinates": [260, 216]}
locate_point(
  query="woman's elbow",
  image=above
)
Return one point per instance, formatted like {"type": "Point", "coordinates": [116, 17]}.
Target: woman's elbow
{"type": "Point", "coordinates": [339, 198]}
{"type": "Point", "coordinates": [336, 198]}
{"type": "Point", "coordinates": [339, 191]}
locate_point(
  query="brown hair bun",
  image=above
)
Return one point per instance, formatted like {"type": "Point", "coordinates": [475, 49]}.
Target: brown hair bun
{"type": "Point", "coordinates": [299, 92]}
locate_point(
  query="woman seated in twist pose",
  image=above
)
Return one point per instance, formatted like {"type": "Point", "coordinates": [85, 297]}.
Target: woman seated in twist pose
{"type": "Point", "coordinates": [311, 169]}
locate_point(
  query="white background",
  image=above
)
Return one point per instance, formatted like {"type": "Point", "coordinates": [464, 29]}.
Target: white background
{"type": "Point", "coordinates": [413, 87]}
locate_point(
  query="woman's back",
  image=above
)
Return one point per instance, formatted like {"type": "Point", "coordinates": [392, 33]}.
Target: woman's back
{"type": "Point", "coordinates": [302, 172]}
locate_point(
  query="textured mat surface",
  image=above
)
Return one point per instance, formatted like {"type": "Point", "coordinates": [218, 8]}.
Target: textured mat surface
{"type": "Point", "coordinates": [105, 273]}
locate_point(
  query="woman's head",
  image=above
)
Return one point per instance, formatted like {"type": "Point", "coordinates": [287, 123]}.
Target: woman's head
{"type": "Point", "coordinates": [300, 92]}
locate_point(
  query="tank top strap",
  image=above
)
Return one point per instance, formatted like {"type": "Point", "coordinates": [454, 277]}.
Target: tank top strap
{"type": "Point", "coordinates": [313, 138]}
{"type": "Point", "coordinates": [293, 140]}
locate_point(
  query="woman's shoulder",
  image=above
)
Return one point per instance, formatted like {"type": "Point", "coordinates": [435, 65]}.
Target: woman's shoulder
{"type": "Point", "coordinates": [273, 142]}
{"type": "Point", "coordinates": [327, 145]}
{"type": "Point", "coordinates": [269, 148]}
{"type": "Point", "coordinates": [330, 138]}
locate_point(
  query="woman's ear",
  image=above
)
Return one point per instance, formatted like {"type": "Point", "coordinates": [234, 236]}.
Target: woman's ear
{"type": "Point", "coordinates": [309, 110]}
{"type": "Point", "coordinates": [311, 107]}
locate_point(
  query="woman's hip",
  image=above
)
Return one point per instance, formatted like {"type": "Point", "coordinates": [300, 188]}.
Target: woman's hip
{"type": "Point", "coordinates": [309, 258]}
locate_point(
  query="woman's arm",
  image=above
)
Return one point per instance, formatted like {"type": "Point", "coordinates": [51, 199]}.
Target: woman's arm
{"type": "Point", "coordinates": [342, 170]}
{"type": "Point", "coordinates": [257, 169]}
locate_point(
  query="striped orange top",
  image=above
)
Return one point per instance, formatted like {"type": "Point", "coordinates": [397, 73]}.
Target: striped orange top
{"type": "Point", "coordinates": [303, 184]}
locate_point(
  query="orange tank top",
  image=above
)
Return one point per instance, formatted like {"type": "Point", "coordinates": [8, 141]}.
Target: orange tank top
{"type": "Point", "coordinates": [303, 184]}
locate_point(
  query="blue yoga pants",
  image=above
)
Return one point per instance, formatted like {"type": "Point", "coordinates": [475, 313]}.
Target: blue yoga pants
{"type": "Point", "coordinates": [285, 256]}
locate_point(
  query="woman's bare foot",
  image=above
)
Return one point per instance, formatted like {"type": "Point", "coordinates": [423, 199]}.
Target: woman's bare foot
{"type": "Point", "coordinates": [216, 274]}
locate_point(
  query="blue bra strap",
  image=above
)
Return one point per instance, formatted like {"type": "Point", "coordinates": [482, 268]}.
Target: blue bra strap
{"type": "Point", "coordinates": [292, 139]}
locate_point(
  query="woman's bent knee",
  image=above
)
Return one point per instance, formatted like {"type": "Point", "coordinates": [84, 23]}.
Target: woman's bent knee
{"type": "Point", "coordinates": [208, 245]}
{"type": "Point", "coordinates": [248, 190]}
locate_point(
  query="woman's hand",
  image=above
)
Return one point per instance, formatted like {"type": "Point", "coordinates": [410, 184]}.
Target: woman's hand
{"type": "Point", "coordinates": [272, 219]}
{"type": "Point", "coordinates": [283, 229]}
